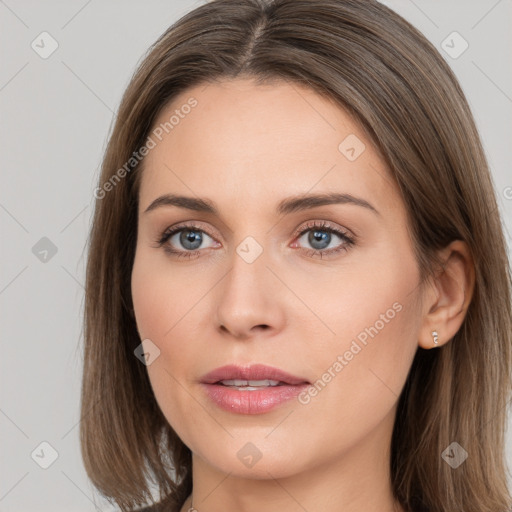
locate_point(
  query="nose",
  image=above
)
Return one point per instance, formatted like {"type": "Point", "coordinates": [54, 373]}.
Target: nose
{"type": "Point", "coordinates": [249, 300]}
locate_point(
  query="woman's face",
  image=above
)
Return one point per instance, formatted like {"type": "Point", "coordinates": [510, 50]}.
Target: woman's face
{"type": "Point", "coordinates": [324, 291]}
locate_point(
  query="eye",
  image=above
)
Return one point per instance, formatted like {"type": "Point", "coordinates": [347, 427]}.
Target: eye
{"type": "Point", "coordinates": [189, 237]}
{"type": "Point", "coordinates": [319, 235]}
{"type": "Point", "coordinates": [186, 241]}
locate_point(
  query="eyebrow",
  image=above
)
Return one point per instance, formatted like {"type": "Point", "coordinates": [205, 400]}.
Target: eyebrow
{"type": "Point", "coordinates": [284, 207]}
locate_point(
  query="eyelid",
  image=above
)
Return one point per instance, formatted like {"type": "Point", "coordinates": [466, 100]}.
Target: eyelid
{"type": "Point", "coordinates": [200, 225]}
{"type": "Point", "coordinates": [324, 224]}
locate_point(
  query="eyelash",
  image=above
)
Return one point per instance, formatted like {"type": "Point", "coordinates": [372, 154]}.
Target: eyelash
{"type": "Point", "coordinates": [347, 241]}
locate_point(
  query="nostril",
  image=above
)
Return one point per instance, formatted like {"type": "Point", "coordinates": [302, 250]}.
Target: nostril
{"type": "Point", "coordinates": [263, 327]}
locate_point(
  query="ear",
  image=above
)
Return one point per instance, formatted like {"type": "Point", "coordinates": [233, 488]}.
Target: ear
{"type": "Point", "coordinates": [448, 295]}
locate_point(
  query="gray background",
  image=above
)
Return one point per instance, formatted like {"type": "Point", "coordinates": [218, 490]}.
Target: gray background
{"type": "Point", "coordinates": [56, 115]}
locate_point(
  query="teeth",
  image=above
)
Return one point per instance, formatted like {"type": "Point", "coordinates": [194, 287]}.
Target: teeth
{"type": "Point", "coordinates": [250, 383]}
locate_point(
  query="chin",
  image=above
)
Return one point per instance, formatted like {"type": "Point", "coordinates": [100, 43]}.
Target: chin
{"type": "Point", "coordinates": [259, 460]}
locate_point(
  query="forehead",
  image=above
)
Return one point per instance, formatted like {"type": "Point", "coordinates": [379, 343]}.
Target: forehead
{"type": "Point", "coordinates": [246, 143]}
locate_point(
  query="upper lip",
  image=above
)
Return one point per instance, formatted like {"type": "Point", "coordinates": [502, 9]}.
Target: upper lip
{"type": "Point", "coordinates": [252, 372]}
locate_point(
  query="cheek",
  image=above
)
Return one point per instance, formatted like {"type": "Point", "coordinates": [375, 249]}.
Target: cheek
{"type": "Point", "coordinates": [361, 371]}
{"type": "Point", "coordinates": [369, 301]}
{"type": "Point", "coordinates": [365, 365]}
{"type": "Point", "coordinates": [158, 309]}
{"type": "Point", "coordinates": [161, 297]}
{"type": "Point", "coordinates": [167, 307]}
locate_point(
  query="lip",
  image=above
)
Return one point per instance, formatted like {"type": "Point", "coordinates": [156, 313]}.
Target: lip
{"type": "Point", "coordinates": [252, 372]}
{"type": "Point", "coordinates": [251, 402]}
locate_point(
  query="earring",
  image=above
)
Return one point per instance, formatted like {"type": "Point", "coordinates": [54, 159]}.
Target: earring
{"type": "Point", "coordinates": [434, 335]}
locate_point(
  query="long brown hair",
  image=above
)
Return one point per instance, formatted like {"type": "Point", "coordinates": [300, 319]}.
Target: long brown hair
{"type": "Point", "coordinates": [380, 69]}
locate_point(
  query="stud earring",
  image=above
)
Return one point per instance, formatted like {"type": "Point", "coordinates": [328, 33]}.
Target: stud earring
{"type": "Point", "coordinates": [435, 336]}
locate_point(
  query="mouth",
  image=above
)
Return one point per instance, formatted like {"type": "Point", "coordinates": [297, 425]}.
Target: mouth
{"type": "Point", "coordinates": [256, 375]}
{"type": "Point", "coordinates": [251, 390]}
{"type": "Point", "coordinates": [250, 385]}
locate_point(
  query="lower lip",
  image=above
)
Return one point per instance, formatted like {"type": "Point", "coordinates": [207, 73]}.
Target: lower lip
{"type": "Point", "coordinates": [251, 402]}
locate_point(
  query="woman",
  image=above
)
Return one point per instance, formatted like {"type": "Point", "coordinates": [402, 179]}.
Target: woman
{"type": "Point", "coordinates": [298, 292]}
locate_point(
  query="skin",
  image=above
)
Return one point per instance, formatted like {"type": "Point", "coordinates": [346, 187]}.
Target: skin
{"type": "Point", "coordinates": [246, 147]}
